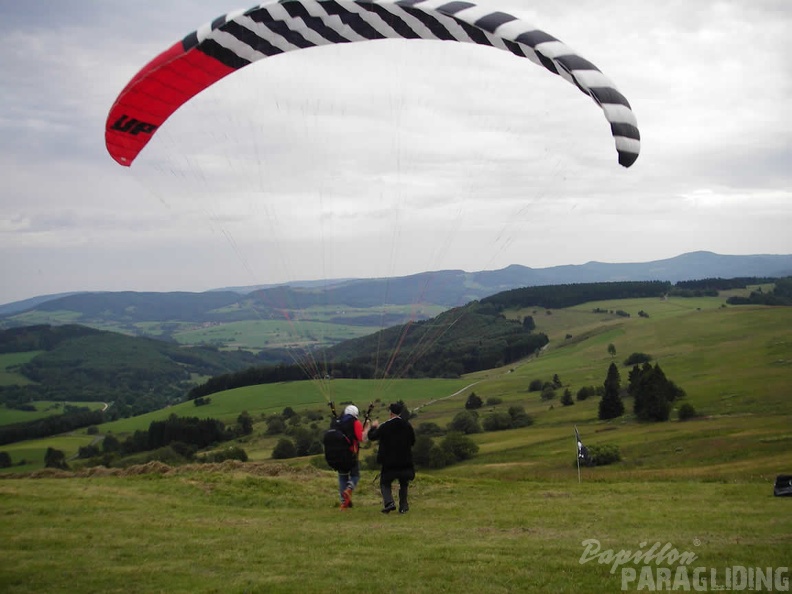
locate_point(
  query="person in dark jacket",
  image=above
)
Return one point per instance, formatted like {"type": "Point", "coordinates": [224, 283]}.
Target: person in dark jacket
{"type": "Point", "coordinates": [396, 439]}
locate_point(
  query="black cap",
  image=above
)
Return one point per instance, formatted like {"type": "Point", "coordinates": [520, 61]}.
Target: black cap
{"type": "Point", "coordinates": [396, 408]}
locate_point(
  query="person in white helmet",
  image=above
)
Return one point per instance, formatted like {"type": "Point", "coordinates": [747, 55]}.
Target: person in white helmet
{"type": "Point", "coordinates": [353, 428]}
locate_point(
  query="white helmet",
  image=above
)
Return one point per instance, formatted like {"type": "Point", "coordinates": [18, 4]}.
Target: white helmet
{"type": "Point", "coordinates": [352, 410]}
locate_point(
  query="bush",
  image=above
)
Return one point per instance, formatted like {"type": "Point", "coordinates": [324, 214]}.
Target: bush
{"type": "Point", "coordinates": [536, 385]}
{"type": "Point", "coordinates": [429, 429]}
{"type": "Point", "coordinates": [585, 392]}
{"type": "Point", "coordinates": [313, 415]}
{"type": "Point", "coordinates": [497, 421]}
{"type": "Point", "coordinates": [5, 460]}
{"type": "Point", "coordinates": [519, 417]}
{"type": "Point", "coordinates": [422, 450]}
{"type": "Point", "coordinates": [637, 359]}
{"type": "Point", "coordinates": [454, 448]}
{"type": "Point", "coordinates": [88, 451]}
{"type": "Point", "coordinates": [284, 449]}
{"type": "Point", "coordinates": [548, 392]}
{"type": "Point", "coordinates": [461, 447]}
{"type": "Point", "coordinates": [275, 425]}
{"type": "Point", "coordinates": [473, 402]}
{"type": "Point", "coordinates": [55, 459]}
{"type": "Point", "coordinates": [686, 412]}
{"type": "Point", "coordinates": [494, 401]}
{"type": "Point", "coordinates": [439, 457]}
{"type": "Point", "coordinates": [465, 422]}
{"type": "Point", "coordinates": [167, 455]}
{"type": "Point", "coordinates": [230, 453]}
{"type": "Point", "coordinates": [602, 455]}
{"type": "Point", "coordinates": [110, 443]}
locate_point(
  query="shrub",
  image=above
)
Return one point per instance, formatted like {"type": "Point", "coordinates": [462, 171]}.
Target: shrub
{"type": "Point", "coordinates": [473, 402]}
{"type": "Point", "coordinates": [439, 457]}
{"type": "Point", "coordinates": [637, 359]}
{"type": "Point", "coordinates": [275, 425]}
{"type": "Point", "coordinates": [454, 448]}
{"type": "Point", "coordinates": [166, 454]}
{"type": "Point", "coordinates": [465, 422]}
{"type": "Point", "coordinates": [686, 412]}
{"type": "Point", "coordinates": [422, 450]}
{"type": "Point", "coordinates": [536, 385]}
{"type": "Point", "coordinates": [230, 453]}
{"type": "Point", "coordinates": [429, 429]}
{"type": "Point", "coordinates": [55, 459]}
{"type": "Point", "coordinates": [519, 417]}
{"type": "Point", "coordinates": [88, 451]}
{"type": "Point", "coordinates": [110, 443]}
{"type": "Point", "coordinates": [602, 455]}
{"type": "Point", "coordinates": [461, 447]}
{"type": "Point", "coordinates": [284, 449]}
{"type": "Point", "coordinates": [313, 415]}
{"type": "Point", "coordinates": [5, 460]}
{"type": "Point", "coordinates": [497, 421]}
{"type": "Point", "coordinates": [494, 401]}
{"type": "Point", "coordinates": [585, 392]}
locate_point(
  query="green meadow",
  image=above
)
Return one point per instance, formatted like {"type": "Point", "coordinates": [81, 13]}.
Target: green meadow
{"type": "Point", "coordinates": [270, 333]}
{"type": "Point", "coordinates": [518, 517]}
{"type": "Point", "coordinates": [9, 363]}
{"type": "Point", "coordinates": [44, 408]}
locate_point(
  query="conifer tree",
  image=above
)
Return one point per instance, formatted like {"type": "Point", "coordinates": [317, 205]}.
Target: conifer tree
{"type": "Point", "coordinates": [611, 405]}
{"type": "Point", "coordinates": [653, 393]}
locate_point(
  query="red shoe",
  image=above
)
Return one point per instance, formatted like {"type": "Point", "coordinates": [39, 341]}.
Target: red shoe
{"type": "Point", "coordinates": [347, 495]}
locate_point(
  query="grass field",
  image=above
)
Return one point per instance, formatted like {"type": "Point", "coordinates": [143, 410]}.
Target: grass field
{"type": "Point", "coordinates": [512, 519]}
{"type": "Point", "coordinates": [9, 362]}
{"type": "Point", "coordinates": [276, 528]}
{"type": "Point", "coordinates": [44, 408]}
{"type": "Point", "coordinates": [272, 334]}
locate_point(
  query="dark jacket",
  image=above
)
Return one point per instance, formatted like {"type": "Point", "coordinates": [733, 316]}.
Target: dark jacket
{"type": "Point", "coordinates": [396, 439]}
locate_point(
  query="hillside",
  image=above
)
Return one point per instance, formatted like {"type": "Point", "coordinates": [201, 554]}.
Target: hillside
{"type": "Point", "coordinates": [80, 364]}
{"type": "Point", "coordinates": [322, 314]}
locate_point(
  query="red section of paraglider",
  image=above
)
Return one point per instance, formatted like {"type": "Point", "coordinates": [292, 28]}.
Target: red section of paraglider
{"type": "Point", "coordinates": [160, 88]}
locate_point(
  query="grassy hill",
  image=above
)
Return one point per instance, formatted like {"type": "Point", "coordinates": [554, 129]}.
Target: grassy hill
{"type": "Point", "coordinates": [733, 362]}
{"type": "Point", "coordinates": [76, 363]}
{"type": "Point", "coordinates": [514, 518]}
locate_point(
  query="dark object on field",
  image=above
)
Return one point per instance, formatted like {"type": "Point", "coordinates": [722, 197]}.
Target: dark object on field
{"type": "Point", "coordinates": [783, 486]}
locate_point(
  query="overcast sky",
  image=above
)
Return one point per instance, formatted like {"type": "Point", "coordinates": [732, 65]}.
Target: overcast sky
{"type": "Point", "coordinates": [390, 157]}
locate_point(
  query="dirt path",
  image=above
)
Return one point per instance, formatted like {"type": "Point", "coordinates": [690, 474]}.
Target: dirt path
{"type": "Point", "coordinates": [457, 393]}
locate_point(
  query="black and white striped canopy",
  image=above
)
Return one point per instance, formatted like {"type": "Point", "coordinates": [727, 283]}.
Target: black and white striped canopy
{"type": "Point", "coordinates": [239, 38]}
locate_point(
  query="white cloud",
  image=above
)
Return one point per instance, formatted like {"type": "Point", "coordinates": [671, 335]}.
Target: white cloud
{"type": "Point", "coordinates": [391, 157]}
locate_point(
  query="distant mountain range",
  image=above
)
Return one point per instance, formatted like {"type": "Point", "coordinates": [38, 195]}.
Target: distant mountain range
{"type": "Point", "coordinates": [447, 288]}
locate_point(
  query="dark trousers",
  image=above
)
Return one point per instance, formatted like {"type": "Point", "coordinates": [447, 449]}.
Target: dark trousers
{"type": "Point", "coordinates": [404, 476]}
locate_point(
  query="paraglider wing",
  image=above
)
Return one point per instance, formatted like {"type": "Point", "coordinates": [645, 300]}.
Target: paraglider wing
{"type": "Point", "coordinates": [240, 38]}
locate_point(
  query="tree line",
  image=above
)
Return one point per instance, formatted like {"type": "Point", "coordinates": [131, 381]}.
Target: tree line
{"type": "Point", "coordinates": [561, 296]}
{"type": "Point", "coordinates": [54, 425]}
{"type": "Point", "coordinates": [172, 440]}
{"type": "Point", "coordinates": [781, 294]}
